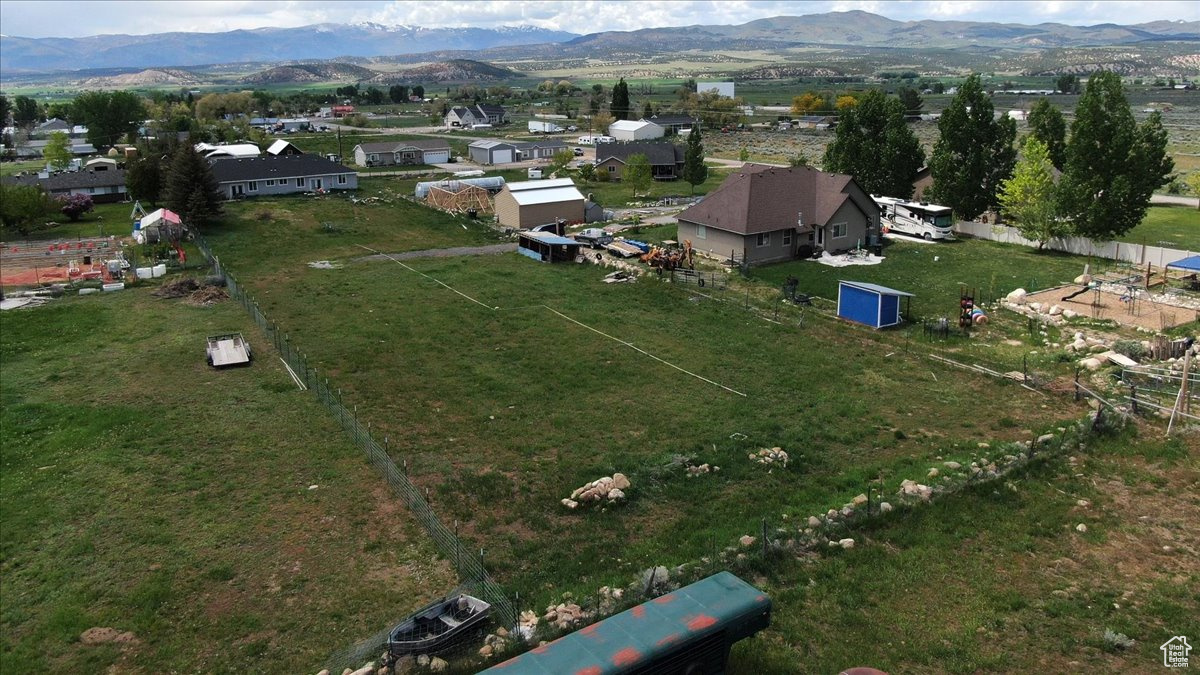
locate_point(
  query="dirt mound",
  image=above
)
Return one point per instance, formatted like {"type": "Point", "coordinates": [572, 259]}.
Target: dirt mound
{"type": "Point", "coordinates": [101, 635]}
{"type": "Point", "coordinates": [177, 289]}
{"type": "Point", "coordinates": [207, 296]}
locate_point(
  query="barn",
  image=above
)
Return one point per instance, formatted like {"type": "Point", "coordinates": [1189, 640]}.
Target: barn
{"type": "Point", "coordinates": [538, 202]}
{"type": "Point", "coordinates": [869, 304]}
{"type": "Point", "coordinates": [631, 130]}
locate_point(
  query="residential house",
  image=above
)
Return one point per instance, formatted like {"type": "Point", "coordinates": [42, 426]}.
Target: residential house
{"type": "Point", "coordinates": [483, 113]}
{"type": "Point", "coordinates": [541, 149]}
{"type": "Point", "coordinates": [635, 130]}
{"type": "Point", "coordinates": [528, 204]}
{"type": "Point", "coordinates": [763, 214]}
{"type": "Point", "coordinates": [666, 159]}
{"type": "Point", "coordinates": [493, 152]}
{"type": "Point", "coordinates": [431, 151]}
{"type": "Point", "coordinates": [280, 175]}
{"type": "Point", "coordinates": [36, 149]}
{"type": "Point", "coordinates": [814, 122]}
{"type": "Point", "coordinates": [55, 125]}
{"type": "Point", "coordinates": [921, 183]}
{"type": "Point", "coordinates": [674, 124]}
{"type": "Point", "coordinates": [102, 186]}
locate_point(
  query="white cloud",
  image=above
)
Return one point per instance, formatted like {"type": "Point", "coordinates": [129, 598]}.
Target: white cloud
{"type": "Point", "coordinates": [46, 18]}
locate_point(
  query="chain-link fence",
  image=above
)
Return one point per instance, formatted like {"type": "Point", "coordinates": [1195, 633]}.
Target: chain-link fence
{"type": "Point", "coordinates": [468, 565]}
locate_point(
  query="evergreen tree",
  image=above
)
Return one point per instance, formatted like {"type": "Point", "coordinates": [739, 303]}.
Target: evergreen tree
{"type": "Point", "coordinates": [694, 170]}
{"type": "Point", "coordinates": [875, 145]}
{"type": "Point", "coordinates": [620, 101]}
{"type": "Point", "coordinates": [143, 179]}
{"type": "Point", "coordinates": [1113, 164]}
{"type": "Point", "coordinates": [191, 188]}
{"type": "Point", "coordinates": [58, 151]}
{"type": "Point", "coordinates": [1046, 124]}
{"type": "Point", "coordinates": [974, 154]}
{"type": "Point", "coordinates": [5, 107]}
{"type": "Point", "coordinates": [1028, 198]}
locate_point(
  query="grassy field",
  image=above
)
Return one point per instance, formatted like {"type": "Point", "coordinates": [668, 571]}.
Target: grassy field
{"type": "Point", "coordinates": [145, 492]}
{"type": "Point", "coordinates": [514, 407]}
{"type": "Point", "coordinates": [1169, 226]}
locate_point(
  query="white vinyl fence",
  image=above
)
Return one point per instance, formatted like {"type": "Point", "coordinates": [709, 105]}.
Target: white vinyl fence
{"type": "Point", "coordinates": [1139, 254]}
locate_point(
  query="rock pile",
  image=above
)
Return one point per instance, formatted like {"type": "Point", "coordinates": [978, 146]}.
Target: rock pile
{"type": "Point", "coordinates": [770, 456]}
{"type": "Point", "coordinates": [693, 471]}
{"type": "Point", "coordinates": [494, 643]}
{"type": "Point", "coordinates": [566, 615]}
{"type": "Point", "coordinates": [609, 489]}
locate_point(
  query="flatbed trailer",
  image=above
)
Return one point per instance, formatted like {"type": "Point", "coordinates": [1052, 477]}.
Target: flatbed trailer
{"type": "Point", "coordinates": [230, 349]}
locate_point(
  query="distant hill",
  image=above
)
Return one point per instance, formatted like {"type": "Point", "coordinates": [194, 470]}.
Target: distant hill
{"type": "Point", "coordinates": [144, 78]}
{"type": "Point", "coordinates": [311, 72]}
{"type": "Point", "coordinates": [454, 70]}
{"type": "Point", "coordinates": [269, 45]}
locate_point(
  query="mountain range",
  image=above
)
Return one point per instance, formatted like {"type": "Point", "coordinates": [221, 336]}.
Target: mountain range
{"type": "Point", "coordinates": [405, 43]}
{"type": "Point", "coordinates": [19, 55]}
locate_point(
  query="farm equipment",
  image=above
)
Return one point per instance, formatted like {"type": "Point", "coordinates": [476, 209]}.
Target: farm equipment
{"type": "Point", "coordinates": [669, 258]}
{"type": "Point", "coordinates": [230, 349]}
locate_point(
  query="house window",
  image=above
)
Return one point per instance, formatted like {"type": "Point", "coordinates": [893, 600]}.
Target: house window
{"type": "Point", "coordinates": [764, 239]}
{"type": "Point", "coordinates": [839, 230]}
{"type": "Point", "coordinates": [372, 158]}
{"type": "Point", "coordinates": [787, 237]}
{"type": "Point", "coordinates": [253, 186]}
{"type": "Point", "coordinates": [341, 179]}
{"type": "Point", "coordinates": [299, 182]}
{"type": "Point", "coordinates": [270, 182]}
{"type": "Point", "coordinates": [611, 168]}
{"type": "Point", "coordinates": [701, 232]}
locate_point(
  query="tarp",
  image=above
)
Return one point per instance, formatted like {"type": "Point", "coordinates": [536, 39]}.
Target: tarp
{"type": "Point", "coordinates": [1191, 263]}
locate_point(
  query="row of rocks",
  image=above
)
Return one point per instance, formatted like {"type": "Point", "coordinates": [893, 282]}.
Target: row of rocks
{"type": "Point", "coordinates": [609, 488]}
{"type": "Point", "coordinates": [770, 456]}
{"type": "Point", "coordinates": [401, 666]}
{"type": "Point", "coordinates": [693, 471]}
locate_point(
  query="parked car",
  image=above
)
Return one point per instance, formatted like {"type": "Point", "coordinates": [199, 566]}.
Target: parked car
{"type": "Point", "coordinates": [572, 128]}
{"type": "Point", "coordinates": [594, 237]}
{"type": "Point", "coordinates": [578, 152]}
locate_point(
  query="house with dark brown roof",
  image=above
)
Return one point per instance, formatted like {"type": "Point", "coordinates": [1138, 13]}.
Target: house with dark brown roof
{"type": "Point", "coordinates": [666, 159]}
{"type": "Point", "coordinates": [764, 214]}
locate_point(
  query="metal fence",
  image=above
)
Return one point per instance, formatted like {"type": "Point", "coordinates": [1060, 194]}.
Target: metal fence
{"type": "Point", "coordinates": [468, 565]}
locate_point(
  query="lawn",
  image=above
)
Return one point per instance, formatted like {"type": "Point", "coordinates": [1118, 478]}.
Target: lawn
{"type": "Point", "coordinates": [327, 142]}
{"type": "Point", "coordinates": [221, 517]}
{"type": "Point", "coordinates": [513, 407]}
{"type": "Point", "coordinates": [1168, 226]}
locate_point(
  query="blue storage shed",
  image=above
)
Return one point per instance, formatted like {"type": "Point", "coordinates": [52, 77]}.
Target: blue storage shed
{"type": "Point", "coordinates": [869, 304]}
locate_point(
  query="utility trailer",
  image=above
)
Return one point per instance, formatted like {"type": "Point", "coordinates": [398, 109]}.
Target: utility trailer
{"type": "Point", "coordinates": [226, 350]}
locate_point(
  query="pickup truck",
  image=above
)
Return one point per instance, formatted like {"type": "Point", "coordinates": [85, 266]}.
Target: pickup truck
{"type": "Point", "coordinates": [594, 237]}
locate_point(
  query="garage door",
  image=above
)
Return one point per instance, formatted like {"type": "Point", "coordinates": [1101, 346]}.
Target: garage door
{"type": "Point", "coordinates": [502, 156]}
{"type": "Point", "coordinates": [439, 157]}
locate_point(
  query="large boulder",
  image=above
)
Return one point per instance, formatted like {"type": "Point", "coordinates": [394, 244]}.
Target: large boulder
{"type": "Point", "coordinates": [1016, 297]}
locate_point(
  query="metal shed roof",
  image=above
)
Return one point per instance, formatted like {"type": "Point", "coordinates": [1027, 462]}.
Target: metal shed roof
{"type": "Point", "coordinates": [540, 184]}
{"type": "Point", "coordinates": [566, 193]}
{"type": "Point", "coordinates": [875, 288]}
{"type": "Point", "coordinates": [550, 238]}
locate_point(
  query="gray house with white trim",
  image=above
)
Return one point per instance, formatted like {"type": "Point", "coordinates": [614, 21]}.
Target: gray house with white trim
{"type": "Point", "coordinates": [281, 175]}
{"type": "Point", "coordinates": [431, 151]}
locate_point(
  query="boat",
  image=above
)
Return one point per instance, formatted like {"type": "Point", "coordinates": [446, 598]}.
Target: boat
{"type": "Point", "coordinates": [438, 625]}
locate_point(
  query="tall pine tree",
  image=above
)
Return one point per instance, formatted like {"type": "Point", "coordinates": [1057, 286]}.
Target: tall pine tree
{"type": "Point", "coordinates": [620, 101]}
{"type": "Point", "coordinates": [875, 146]}
{"type": "Point", "coordinates": [1113, 164]}
{"type": "Point", "coordinates": [974, 153]}
{"type": "Point", "coordinates": [694, 170]}
{"type": "Point", "coordinates": [191, 189]}
{"type": "Point", "coordinates": [1046, 124]}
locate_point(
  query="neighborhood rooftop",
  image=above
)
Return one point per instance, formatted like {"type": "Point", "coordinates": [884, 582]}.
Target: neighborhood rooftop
{"type": "Point", "coordinates": [290, 166]}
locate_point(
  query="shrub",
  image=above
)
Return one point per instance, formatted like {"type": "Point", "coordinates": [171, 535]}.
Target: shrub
{"type": "Point", "coordinates": [1134, 349]}
{"type": "Point", "coordinates": [74, 206]}
{"type": "Point", "coordinates": [1114, 642]}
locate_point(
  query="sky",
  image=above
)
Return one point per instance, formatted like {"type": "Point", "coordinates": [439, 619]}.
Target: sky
{"type": "Point", "coordinates": [45, 18]}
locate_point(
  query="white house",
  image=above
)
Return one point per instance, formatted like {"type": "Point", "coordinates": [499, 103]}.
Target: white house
{"type": "Point", "coordinates": [235, 150]}
{"type": "Point", "coordinates": [631, 130]}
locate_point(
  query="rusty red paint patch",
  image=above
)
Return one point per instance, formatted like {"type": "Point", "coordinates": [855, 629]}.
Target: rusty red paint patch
{"type": "Point", "coordinates": [626, 657]}
{"type": "Point", "coordinates": [701, 622]}
{"type": "Point", "coordinates": [540, 649]}
{"type": "Point", "coordinates": [639, 611]}
{"type": "Point", "coordinates": [761, 598]}
{"type": "Point", "coordinates": [673, 637]}
{"type": "Point", "coordinates": [588, 630]}
{"type": "Point", "coordinates": [664, 599]}
{"type": "Point", "coordinates": [590, 670]}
